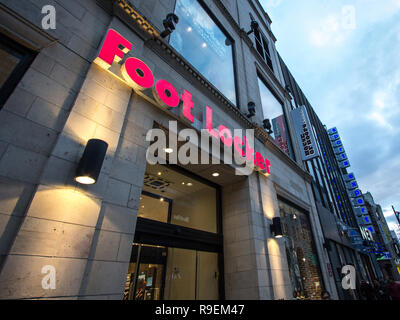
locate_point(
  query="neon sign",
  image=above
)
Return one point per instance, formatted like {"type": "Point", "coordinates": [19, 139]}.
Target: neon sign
{"type": "Point", "coordinates": [139, 76]}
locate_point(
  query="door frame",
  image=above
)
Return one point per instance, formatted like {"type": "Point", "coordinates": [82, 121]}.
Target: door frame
{"type": "Point", "coordinates": [169, 235]}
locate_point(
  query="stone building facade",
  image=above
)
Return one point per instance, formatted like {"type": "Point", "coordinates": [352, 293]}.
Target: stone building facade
{"type": "Point", "coordinates": [87, 233]}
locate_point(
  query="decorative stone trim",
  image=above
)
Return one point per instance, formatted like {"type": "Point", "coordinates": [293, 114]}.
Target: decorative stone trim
{"type": "Point", "coordinates": [142, 22]}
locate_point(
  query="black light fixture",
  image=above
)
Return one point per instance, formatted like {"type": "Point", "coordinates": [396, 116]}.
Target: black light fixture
{"type": "Point", "coordinates": [276, 227]}
{"type": "Point", "coordinates": [251, 107]}
{"type": "Point", "coordinates": [267, 125]}
{"type": "Point", "coordinates": [253, 27]}
{"type": "Point", "coordinates": [169, 24]}
{"type": "Point", "coordinates": [89, 166]}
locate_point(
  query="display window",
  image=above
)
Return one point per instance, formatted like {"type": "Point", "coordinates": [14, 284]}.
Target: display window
{"type": "Point", "coordinates": [301, 254]}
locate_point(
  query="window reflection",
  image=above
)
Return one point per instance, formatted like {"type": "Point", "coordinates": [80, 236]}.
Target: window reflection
{"type": "Point", "coordinates": [272, 109]}
{"type": "Point", "coordinates": [203, 44]}
{"type": "Point", "coordinates": [300, 252]}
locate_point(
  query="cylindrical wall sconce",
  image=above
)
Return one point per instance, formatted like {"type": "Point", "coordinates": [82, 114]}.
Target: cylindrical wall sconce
{"type": "Point", "coordinates": [276, 227]}
{"type": "Point", "coordinates": [91, 162]}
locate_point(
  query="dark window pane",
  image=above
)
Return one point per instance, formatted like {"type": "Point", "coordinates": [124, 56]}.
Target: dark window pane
{"type": "Point", "coordinates": [9, 60]}
{"type": "Point", "coordinates": [204, 45]}
{"type": "Point", "coordinates": [260, 49]}
{"type": "Point", "coordinates": [14, 61]}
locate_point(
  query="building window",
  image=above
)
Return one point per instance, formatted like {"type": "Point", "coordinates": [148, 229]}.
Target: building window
{"type": "Point", "coordinates": [200, 40]}
{"type": "Point", "coordinates": [304, 269]}
{"type": "Point", "coordinates": [14, 61]}
{"type": "Point", "coordinates": [262, 48]}
{"type": "Point", "coordinates": [273, 110]}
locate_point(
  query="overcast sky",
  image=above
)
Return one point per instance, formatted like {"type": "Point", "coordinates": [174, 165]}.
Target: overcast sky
{"type": "Point", "coordinates": [349, 69]}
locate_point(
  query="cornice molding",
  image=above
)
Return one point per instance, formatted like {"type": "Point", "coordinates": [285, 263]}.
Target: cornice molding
{"type": "Point", "coordinates": [134, 14]}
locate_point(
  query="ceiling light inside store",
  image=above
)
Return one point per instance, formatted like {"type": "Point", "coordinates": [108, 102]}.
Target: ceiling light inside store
{"type": "Point", "coordinates": [189, 184]}
{"type": "Point", "coordinates": [215, 174]}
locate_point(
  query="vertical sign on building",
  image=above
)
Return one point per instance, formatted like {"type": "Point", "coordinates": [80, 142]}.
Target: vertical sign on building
{"type": "Point", "coordinates": [304, 133]}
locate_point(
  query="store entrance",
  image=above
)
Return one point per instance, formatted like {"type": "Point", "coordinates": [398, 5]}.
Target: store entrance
{"type": "Point", "coordinates": [177, 249]}
{"type": "Point", "coordinates": [157, 273]}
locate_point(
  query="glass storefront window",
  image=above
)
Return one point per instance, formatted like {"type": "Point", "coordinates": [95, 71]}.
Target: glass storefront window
{"type": "Point", "coordinates": [205, 46]}
{"type": "Point", "coordinates": [300, 251]}
{"type": "Point", "coordinates": [165, 273]}
{"type": "Point", "coordinates": [273, 110]}
{"type": "Point", "coordinates": [172, 197]}
{"type": "Point", "coordinates": [154, 208]}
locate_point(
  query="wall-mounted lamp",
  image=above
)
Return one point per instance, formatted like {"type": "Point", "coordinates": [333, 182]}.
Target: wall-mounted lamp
{"type": "Point", "coordinates": [91, 162]}
{"type": "Point", "coordinates": [267, 126]}
{"type": "Point", "coordinates": [251, 107]}
{"type": "Point", "coordinates": [169, 24]}
{"type": "Point", "coordinates": [253, 27]}
{"type": "Point", "coordinates": [276, 227]}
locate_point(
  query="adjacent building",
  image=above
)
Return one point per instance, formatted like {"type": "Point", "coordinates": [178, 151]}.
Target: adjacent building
{"type": "Point", "coordinates": [337, 198]}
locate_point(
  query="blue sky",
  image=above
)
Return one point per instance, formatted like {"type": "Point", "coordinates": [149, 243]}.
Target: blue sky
{"type": "Point", "coordinates": [345, 55]}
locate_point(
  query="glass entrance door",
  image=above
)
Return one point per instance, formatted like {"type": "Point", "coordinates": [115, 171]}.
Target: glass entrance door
{"type": "Point", "coordinates": [157, 273]}
{"type": "Point", "coordinates": [145, 278]}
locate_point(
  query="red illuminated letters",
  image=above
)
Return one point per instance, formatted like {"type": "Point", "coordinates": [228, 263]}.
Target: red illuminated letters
{"type": "Point", "coordinates": [236, 142]}
{"type": "Point", "coordinates": [209, 125]}
{"type": "Point", "coordinates": [140, 77]}
{"type": "Point", "coordinates": [166, 94]}
{"type": "Point", "coordinates": [137, 74]}
{"type": "Point", "coordinates": [225, 135]}
{"type": "Point", "coordinates": [110, 50]}
{"type": "Point", "coordinates": [186, 98]}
